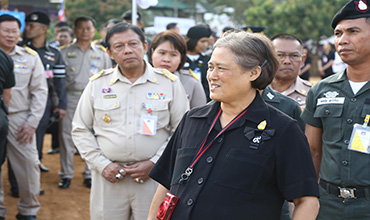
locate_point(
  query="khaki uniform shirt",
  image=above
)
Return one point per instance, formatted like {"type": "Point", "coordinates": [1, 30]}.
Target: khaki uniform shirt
{"type": "Point", "coordinates": [81, 65]}
{"type": "Point", "coordinates": [106, 125]}
{"type": "Point", "coordinates": [30, 90]}
{"type": "Point", "coordinates": [193, 88]}
{"type": "Point", "coordinates": [325, 109]}
{"type": "Point", "coordinates": [298, 91]}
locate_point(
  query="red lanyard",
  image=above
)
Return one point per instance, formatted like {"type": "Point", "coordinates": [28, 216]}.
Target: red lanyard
{"type": "Point", "coordinates": [202, 149]}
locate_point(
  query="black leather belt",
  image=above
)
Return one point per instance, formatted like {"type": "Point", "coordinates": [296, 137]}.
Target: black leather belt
{"type": "Point", "coordinates": [344, 192]}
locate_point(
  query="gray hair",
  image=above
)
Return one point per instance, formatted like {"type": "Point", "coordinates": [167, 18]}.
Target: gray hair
{"type": "Point", "coordinates": [250, 50]}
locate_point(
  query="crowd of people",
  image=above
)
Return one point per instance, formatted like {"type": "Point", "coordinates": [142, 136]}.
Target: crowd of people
{"type": "Point", "coordinates": [185, 127]}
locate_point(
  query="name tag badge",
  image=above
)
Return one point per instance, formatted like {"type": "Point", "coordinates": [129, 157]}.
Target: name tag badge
{"type": "Point", "coordinates": [335, 100]}
{"type": "Point", "coordinates": [110, 96]}
{"type": "Point", "coordinates": [360, 139]}
{"type": "Point", "coordinates": [148, 125]}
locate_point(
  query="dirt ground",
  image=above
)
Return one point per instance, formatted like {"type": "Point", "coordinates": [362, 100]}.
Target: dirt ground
{"type": "Point", "coordinates": [56, 204]}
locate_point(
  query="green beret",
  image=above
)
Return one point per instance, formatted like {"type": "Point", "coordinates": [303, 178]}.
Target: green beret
{"type": "Point", "coordinates": [352, 10]}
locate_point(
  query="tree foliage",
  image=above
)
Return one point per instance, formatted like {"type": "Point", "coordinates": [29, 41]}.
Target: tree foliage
{"type": "Point", "coordinates": [307, 19]}
{"type": "Point", "coordinates": [100, 10]}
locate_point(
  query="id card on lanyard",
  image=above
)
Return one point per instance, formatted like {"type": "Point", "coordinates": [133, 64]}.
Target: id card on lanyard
{"type": "Point", "coordinates": [360, 138]}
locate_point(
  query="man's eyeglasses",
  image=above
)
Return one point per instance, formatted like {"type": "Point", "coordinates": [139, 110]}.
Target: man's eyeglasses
{"type": "Point", "coordinates": [295, 57]}
{"type": "Point", "coordinates": [13, 32]}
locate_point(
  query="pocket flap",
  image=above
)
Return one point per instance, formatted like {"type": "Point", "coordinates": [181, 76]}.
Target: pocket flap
{"type": "Point", "coordinates": [106, 105]}
{"type": "Point", "coordinates": [325, 111]}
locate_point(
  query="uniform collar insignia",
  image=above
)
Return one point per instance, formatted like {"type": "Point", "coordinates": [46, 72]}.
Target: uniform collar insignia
{"type": "Point", "coordinates": [331, 94]}
{"type": "Point", "coordinates": [270, 95]}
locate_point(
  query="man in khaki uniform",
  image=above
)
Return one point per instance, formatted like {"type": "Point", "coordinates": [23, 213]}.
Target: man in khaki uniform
{"type": "Point", "coordinates": [122, 124]}
{"type": "Point", "coordinates": [82, 60]}
{"type": "Point", "coordinates": [26, 108]}
{"type": "Point", "coordinates": [289, 49]}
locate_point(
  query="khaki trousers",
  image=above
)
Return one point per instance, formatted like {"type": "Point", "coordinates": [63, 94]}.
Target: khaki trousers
{"type": "Point", "coordinates": [66, 143]}
{"type": "Point", "coordinates": [25, 163]}
{"type": "Point", "coordinates": [124, 200]}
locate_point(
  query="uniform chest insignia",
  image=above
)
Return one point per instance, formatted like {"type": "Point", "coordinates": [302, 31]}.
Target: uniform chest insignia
{"type": "Point", "coordinates": [330, 94]}
{"type": "Point", "coordinates": [155, 96]}
{"type": "Point", "coordinates": [270, 96]}
{"type": "Point", "coordinates": [262, 125]}
{"type": "Point", "coordinates": [106, 118]}
{"type": "Point", "coordinates": [154, 80]}
{"type": "Point", "coordinates": [330, 97]}
{"type": "Point", "coordinates": [51, 58]}
{"type": "Point", "coordinates": [18, 66]}
{"type": "Point", "coordinates": [20, 60]}
{"type": "Point", "coordinates": [95, 57]}
{"type": "Point", "coordinates": [71, 55]}
{"type": "Point", "coordinates": [49, 53]}
{"type": "Point", "coordinates": [303, 91]}
{"type": "Point", "coordinates": [106, 90]}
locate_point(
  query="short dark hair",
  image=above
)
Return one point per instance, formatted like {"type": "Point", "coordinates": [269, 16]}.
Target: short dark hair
{"type": "Point", "coordinates": [84, 18]}
{"type": "Point", "coordinates": [285, 36]}
{"type": "Point", "coordinates": [191, 43]}
{"type": "Point", "coordinates": [6, 17]}
{"type": "Point", "coordinates": [250, 50]}
{"type": "Point", "coordinates": [66, 29]}
{"type": "Point", "coordinates": [128, 16]}
{"type": "Point", "coordinates": [61, 24]}
{"type": "Point", "coordinates": [171, 25]}
{"type": "Point", "coordinates": [227, 28]}
{"type": "Point", "coordinates": [175, 39]}
{"type": "Point", "coordinates": [121, 28]}
{"type": "Point", "coordinates": [112, 21]}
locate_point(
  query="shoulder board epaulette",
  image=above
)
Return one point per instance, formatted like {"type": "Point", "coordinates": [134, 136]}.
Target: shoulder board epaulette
{"type": "Point", "coordinates": [307, 83]}
{"type": "Point", "coordinates": [103, 48]}
{"type": "Point", "coordinates": [169, 75]}
{"type": "Point", "coordinates": [193, 75]}
{"type": "Point", "coordinates": [64, 46]}
{"type": "Point", "coordinates": [29, 50]}
{"type": "Point", "coordinates": [96, 76]}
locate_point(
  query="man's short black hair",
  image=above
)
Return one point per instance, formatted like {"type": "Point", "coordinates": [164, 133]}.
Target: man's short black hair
{"type": "Point", "coordinates": [6, 17]}
{"type": "Point", "coordinates": [171, 25]}
{"type": "Point", "coordinates": [127, 16]}
{"type": "Point", "coordinates": [121, 28]}
{"type": "Point", "coordinates": [61, 24]}
{"type": "Point", "coordinates": [286, 36]}
{"type": "Point", "coordinates": [84, 18]}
